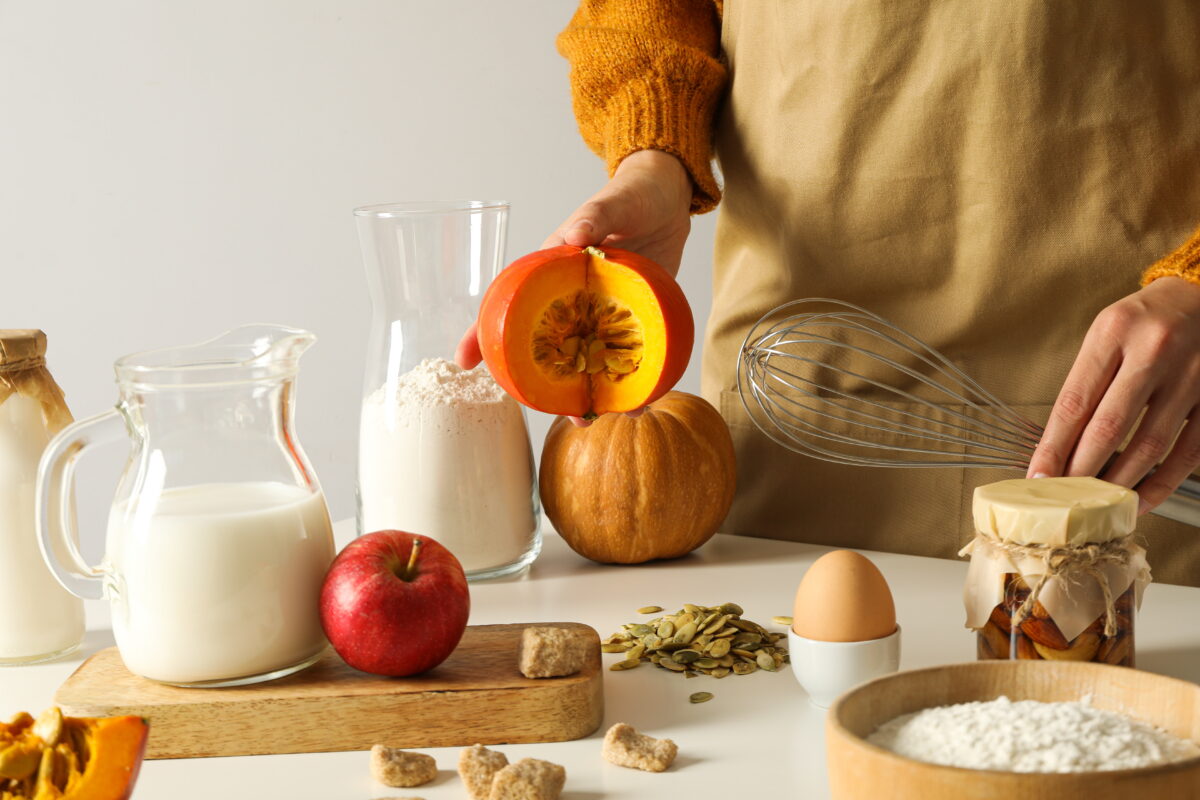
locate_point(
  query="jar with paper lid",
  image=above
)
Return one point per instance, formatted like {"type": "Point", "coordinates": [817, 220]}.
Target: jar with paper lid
{"type": "Point", "coordinates": [41, 620]}
{"type": "Point", "coordinates": [1055, 574]}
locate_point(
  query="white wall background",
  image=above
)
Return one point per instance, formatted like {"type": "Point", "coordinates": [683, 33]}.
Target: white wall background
{"type": "Point", "coordinates": [169, 170]}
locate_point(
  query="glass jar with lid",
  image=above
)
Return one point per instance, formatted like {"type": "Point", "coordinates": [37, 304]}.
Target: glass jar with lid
{"type": "Point", "coordinates": [41, 619]}
{"type": "Point", "coordinates": [1055, 574]}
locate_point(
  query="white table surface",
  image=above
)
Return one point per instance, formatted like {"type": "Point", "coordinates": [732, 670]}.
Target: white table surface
{"type": "Point", "coordinates": [758, 731]}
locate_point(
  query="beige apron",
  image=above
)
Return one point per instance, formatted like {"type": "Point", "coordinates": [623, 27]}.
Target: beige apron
{"type": "Point", "coordinates": [987, 174]}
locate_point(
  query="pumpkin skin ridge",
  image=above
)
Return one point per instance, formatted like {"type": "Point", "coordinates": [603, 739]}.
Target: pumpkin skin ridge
{"type": "Point", "coordinates": [708, 441]}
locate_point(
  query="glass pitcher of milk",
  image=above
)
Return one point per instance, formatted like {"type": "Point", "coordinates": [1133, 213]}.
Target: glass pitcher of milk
{"type": "Point", "coordinates": [219, 537]}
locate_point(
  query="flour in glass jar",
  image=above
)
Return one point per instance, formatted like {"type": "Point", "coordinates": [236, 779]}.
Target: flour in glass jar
{"type": "Point", "coordinates": [1030, 736]}
{"type": "Point", "coordinates": [444, 452]}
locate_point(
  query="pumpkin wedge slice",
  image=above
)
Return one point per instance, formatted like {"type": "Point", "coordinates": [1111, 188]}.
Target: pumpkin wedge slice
{"type": "Point", "coordinates": [583, 332]}
{"type": "Point", "coordinates": [70, 758]}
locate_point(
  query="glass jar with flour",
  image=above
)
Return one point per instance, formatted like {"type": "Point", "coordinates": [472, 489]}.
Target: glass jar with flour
{"type": "Point", "coordinates": [443, 451]}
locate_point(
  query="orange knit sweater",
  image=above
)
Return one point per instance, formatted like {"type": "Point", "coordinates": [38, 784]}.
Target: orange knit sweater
{"type": "Point", "coordinates": [647, 75]}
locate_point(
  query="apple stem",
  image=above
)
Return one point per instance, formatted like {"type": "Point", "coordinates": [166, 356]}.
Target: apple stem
{"type": "Point", "coordinates": [410, 571]}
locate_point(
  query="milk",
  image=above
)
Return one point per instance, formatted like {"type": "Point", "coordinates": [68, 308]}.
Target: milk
{"type": "Point", "coordinates": [218, 581]}
{"type": "Point", "coordinates": [38, 617]}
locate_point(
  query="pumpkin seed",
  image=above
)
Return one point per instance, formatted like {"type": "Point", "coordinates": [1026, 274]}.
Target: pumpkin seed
{"type": "Point", "coordinates": [685, 634]}
{"type": "Point", "coordinates": [782, 621]}
{"type": "Point", "coordinates": [685, 656]}
{"type": "Point", "coordinates": [718, 648]}
{"type": "Point", "coordinates": [700, 697]}
{"type": "Point", "coordinates": [698, 640]}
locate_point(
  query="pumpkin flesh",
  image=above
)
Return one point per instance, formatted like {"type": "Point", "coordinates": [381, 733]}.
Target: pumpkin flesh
{"type": "Point", "coordinates": [70, 758]}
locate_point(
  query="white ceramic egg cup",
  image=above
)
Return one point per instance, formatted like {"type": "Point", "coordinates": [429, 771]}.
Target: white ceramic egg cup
{"type": "Point", "coordinates": [827, 669]}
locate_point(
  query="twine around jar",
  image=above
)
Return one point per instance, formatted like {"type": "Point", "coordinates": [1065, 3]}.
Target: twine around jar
{"type": "Point", "coordinates": [1059, 560]}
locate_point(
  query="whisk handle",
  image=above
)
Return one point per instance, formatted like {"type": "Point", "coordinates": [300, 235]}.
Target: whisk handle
{"type": "Point", "coordinates": [1184, 505]}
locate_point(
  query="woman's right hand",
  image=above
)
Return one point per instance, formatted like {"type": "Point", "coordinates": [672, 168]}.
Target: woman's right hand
{"type": "Point", "coordinates": [645, 207]}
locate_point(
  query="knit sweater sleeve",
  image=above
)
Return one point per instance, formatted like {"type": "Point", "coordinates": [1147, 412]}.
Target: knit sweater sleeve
{"type": "Point", "coordinates": [646, 75]}
{"type": "Point", "coordinates": [1182, 262]}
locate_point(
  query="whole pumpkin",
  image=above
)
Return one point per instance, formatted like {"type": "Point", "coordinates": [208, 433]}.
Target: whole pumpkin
{"type": "Point", "coordinates": [630, 489]}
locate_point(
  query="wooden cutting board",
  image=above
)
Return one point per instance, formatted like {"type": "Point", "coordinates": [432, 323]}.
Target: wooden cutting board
{"type": "Point", "coordinates": [476, 696]}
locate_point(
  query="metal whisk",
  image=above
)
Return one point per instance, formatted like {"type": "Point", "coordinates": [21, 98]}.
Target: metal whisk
{"type": "Point", "coordinates": [834, 381]}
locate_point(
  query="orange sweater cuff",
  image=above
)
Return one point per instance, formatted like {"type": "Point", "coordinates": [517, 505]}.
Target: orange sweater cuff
{"type": "Point", "coordinates": [1183, 262]}
{"type": "Point", "coordinates": [677, 119]}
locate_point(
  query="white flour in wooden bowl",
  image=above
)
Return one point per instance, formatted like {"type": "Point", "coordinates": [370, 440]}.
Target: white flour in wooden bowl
{"type": "Point", "coordinates": [1030, 736]}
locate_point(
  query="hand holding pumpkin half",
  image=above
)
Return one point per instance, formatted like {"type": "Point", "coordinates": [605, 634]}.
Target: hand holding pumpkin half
{"type": "Point", "coordinates": [626, 490]}
{"type": "Point", "coordinates": [585, 331]}
{"type": "Point", "coordinates": [70, 758]}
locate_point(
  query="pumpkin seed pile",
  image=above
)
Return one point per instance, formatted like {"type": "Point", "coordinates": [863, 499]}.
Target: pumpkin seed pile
{"type": "Point", "coordinates": [698, 640]}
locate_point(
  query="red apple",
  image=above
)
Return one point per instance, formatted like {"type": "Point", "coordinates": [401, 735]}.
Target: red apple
{"type": "Point", "coordinates": [394, 603]}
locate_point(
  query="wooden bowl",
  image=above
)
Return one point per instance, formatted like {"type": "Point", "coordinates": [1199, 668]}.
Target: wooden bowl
{"type": "Point", "coordinates": [862, 771]}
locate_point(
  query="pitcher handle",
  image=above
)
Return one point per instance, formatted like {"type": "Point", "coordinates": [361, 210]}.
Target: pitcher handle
{"type": "Point", "coordinates": [56, 526]}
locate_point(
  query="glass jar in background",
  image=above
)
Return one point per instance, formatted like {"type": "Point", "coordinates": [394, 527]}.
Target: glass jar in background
{"type": "Point", "coordinates": [1055, 574]}
{"type": "Point", "coordinates": [41, 620]}
{"type": "Point", "coordinates": [443, 452]}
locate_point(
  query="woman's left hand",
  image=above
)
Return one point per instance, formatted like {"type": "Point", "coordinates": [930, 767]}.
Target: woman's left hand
{"type": "Point", "coordinates": [1141, 353]}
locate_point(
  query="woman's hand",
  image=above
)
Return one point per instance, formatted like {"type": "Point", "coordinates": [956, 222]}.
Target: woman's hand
{"type": "Point", "coordinates": [1141, 353]}
{"type": "Point", "coordinates": [644, 207]}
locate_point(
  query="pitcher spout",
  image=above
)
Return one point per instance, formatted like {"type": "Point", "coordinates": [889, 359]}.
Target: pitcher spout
{"type": "Point", "coordinates": [246, 353]}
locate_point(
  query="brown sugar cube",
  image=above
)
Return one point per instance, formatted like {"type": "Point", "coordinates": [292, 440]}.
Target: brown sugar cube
{"type": "Point", "coordinates": [394, 767]}
{"type": "Point", "coordinates": [477, 766]}
{"type": "Point", "coordinates": [528, 779]}
{"type": "Point", "coordinates": [625, 747]}
{"type": "Point", "coordinates": [548, 652]}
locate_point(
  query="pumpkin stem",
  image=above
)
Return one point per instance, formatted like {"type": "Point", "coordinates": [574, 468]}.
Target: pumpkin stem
{"type": "Point", "coordinates": [410, 569]}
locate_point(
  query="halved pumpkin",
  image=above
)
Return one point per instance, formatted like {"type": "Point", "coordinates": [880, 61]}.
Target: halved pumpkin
{"type": "Point", "coordinates": [70, 758]}
{"type": "Point", "coordinates": [583, 332]}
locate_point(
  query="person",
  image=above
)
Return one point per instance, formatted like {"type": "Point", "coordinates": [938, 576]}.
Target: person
{"type": "Point", "coordinates": [994, 176]}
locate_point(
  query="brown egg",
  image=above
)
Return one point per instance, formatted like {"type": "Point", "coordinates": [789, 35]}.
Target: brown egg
{"type": "Point", "coordinates": [843, 598]}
